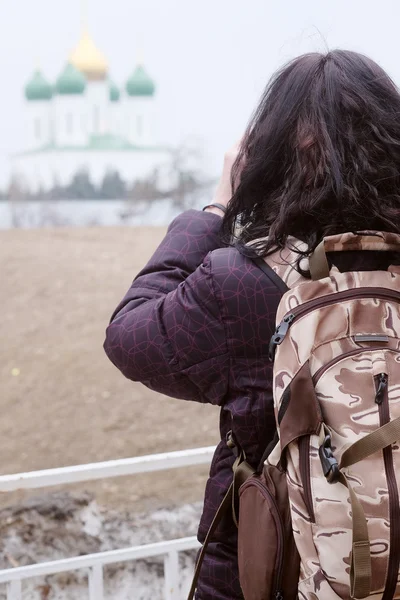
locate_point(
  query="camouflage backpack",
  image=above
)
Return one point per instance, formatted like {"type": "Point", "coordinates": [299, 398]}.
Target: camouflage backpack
{"type": "Point", "coordinates": [337, 402]}
{"type": "Point", "coordinates": [320, 520]}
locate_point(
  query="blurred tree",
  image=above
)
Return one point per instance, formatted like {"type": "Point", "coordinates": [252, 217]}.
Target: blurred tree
{"type": "Point", "coordinates": [113, 187]}
{"type": "Point", "coordinates": [181, 181]}
{"type": "Point", "coordinates": [57, 191]}
{"type": "Point", "coordinates": [81, 187]}
{"type": "Point", "coordinates": [17, 189]}
{"type": "Point", "coordinates": [17, 193]}
{"type": "Point", "coordinates": [40, 194]}
{"type": "Point", "coordinates": [147, 188]}
{"type": "Point", "coordinates": [188, 182]}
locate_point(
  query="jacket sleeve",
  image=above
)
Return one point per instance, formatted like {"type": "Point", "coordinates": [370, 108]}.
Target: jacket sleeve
{"type": "Point", "coordinates": [168, 332]}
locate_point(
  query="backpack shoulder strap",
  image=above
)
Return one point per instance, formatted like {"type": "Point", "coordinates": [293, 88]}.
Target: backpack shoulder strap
{"type": "Point", "coordinates": [284, 264]}
{"type": "Point", "coordinates": [271, 274]}
{"type": "Point", "coordinates": [281, 265]}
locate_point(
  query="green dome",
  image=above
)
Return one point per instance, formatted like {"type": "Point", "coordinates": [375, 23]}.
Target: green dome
{"type": "Point", "coordinates": [71, 81]}
{"type": "Point", "coordinates": [38, 88]}
{"type": "Point", "coordinates": [140, 84]}
{"type": "Point", "coordinates": [114, 92]}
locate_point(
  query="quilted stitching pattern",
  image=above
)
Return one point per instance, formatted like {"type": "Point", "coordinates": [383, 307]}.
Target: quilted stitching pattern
{"type": "Point", "coordinates": [196, 325]}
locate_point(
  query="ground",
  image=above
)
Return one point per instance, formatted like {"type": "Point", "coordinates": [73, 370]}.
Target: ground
{"type": "Point", "coordinates": [62, 401]}
{"type": "Point", "coordinates": [60, 525]}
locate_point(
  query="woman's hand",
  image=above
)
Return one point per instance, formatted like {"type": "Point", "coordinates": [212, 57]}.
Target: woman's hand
{"type": "Point", "coordinates": [224, 191]}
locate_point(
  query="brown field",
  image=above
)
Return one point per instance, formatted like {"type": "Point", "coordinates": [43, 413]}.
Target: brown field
{"type": "Point", "coordinates": [62, 401]}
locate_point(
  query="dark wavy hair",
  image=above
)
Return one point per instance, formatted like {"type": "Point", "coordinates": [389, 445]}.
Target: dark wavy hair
{"type": "Point", "coordinates": [320, 156]}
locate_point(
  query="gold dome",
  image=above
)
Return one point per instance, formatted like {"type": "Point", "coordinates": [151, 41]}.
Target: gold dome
{"type": "Point", "coordinates": [88, 59]}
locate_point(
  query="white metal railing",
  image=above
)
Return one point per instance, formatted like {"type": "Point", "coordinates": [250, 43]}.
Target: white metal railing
{"type": "Point", "coordinates": [94, 563]}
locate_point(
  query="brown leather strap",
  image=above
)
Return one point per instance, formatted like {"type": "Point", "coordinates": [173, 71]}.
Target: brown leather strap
{"type": "Point", "coordinates": [241, 472]}
{"type": "Point", "coordinates": [222, 510]}
{"type": "Point", "coordinates": [319, 267]}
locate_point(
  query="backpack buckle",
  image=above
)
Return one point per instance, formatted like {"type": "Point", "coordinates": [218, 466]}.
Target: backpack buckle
{"type": "Point", "coordinates": [280, 334]}
{"type": "Point", "coordinates": [329, 463]}
{"type": "Point", "coordinates": [231, 443]}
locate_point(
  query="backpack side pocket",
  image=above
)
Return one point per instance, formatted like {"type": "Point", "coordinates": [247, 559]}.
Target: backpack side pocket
{"type": "Point", "coordinates": [268, 559]}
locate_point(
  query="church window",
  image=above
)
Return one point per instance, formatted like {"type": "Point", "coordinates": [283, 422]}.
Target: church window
{"type": "Point", "coordinates": [139, 126]}
{"type": "Point", "coordinates": [69, 124]}
{"type": "Point", "coordinates": [37, 129]}
{"type": "Point", "coordinates": [96, 119]}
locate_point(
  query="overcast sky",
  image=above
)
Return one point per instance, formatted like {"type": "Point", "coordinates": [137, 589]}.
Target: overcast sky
{"type": "Point", "coordinates": [210, 58]}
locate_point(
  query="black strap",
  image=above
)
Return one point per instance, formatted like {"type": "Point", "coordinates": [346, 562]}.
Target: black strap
{"type": "Point", "coordinates": [270, 273]}
{"type": "Point", "coordinates": [273, 443]}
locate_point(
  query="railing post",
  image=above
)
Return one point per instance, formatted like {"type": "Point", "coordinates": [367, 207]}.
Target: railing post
{"type": "Point", "coordinates": [171, 575]}
{"type": "Point", "coordinates": [96, 588]}
{"type": "Point", "coordinates": [14, 590]}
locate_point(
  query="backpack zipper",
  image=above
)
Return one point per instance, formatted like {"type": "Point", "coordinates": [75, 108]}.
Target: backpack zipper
{"type": "Point", "coordinates": [280, 530]}
{"type": "Point", "coordinates": [380, 395]}
{"type": "Point", "coordinates": [304, 454]}
{"type": "Point", "coordinates": [318, 374]}
{"type": "Point", "coordinates": [382, 399]}
{"type": "Point", "coordinates": [311, 305]}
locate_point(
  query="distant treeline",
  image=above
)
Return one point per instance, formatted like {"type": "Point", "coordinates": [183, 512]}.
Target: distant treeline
{"type": "Point", "coordinates": [181, 179]}
{"type": "Point", "coordinates": [82, 187]}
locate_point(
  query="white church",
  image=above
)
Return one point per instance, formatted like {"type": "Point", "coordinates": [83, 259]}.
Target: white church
{"type": "Point", "coordinates": [84, 121]}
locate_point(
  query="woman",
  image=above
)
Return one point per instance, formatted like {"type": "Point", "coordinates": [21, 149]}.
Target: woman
{"type": "Point", "coordinates": [321, 156]}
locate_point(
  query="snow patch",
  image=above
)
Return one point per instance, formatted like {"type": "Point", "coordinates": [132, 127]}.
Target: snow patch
{"type": "Point", "coordinates": [63, 525]}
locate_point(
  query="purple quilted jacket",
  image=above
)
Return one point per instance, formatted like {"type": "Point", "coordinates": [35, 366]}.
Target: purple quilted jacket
{"type": "Point", "coordinates": [196, 325]}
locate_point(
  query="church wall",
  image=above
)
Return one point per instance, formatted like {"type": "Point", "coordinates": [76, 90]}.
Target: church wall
{"type": "Point", "coordinates": [38, 123]}
{"type": "Point", "coordinates": [70, 120]}
{"type": "Point", "coordinates": [139, 119]}
{"type": "Point", "coordinates": [117, 119]}
{"type": "Point", "coordinates": [97, 106]}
